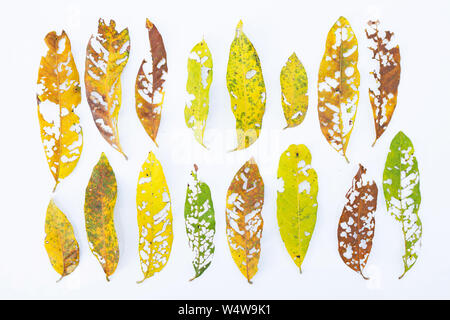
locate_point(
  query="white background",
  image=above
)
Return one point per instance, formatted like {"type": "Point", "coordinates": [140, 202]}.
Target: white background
{"type": "Point", "coordinates": [276, 28]}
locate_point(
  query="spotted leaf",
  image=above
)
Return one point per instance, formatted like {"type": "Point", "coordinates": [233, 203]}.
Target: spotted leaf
{"type": "Point", "coordinates": [338, 86]}
{"type": "Point", "coordinates": [106, 56]}
{"type": "Point", "coordinates": [402, 193]}
{"type": "Point", "coordinates": [247, 90]}
{"type": "Point", "coordinates": [58, 96]}
{"type": "Point", "coordinates": [154, 215]}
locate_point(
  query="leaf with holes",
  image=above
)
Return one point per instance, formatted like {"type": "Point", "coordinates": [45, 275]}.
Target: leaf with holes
{"type": "Point", "coordinates": [58, 95]}
{"type": "Point", "coordinates": [200, 75]}
{"type": "Point", "coordinates": [154, 215]}
{"type": "Point", "coordinates": [338, 86]}
{"type": "Point", "coordinates": [200, 223]}
{"type": "Point", "coordinates": [294, 91]}
{"type": "Point", "coordinates": [100, 199]}
{"type": "Point", "coordinates": [386, 76]}
{"type": "Point", "coordinates": [245, 199]}
{"type": "Point", "coordinates": [247, 90]}
{"type": "Point", "coordinates": [60, 243]}
{"type": "Point", "coordinates": [297, 201]}
{"type": "Point", "coordinates": [357, 223]}
{"type": "Point", "coordinates": [106, 56]}
{"type": "Point", "coordinates": [149, 89]}
{"type": "Point", "coordinates": [401, 188]}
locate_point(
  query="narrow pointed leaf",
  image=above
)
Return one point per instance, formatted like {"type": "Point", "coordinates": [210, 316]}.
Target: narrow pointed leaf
{"type": "Point", "coordinates": [154, 215]}
{"type": "Point", "coordinates": [149, 89]}
{"type": "Point", "coordinates": [100, 199]}
{"type": "Point", "coordinates": [60, 243]}
{"type": "Point", "coordinates": [106, 56]}
{"type": "Point", "coordinates": [200, 74]}
{"type": "Point", "coordinates": [402, 193]}
{"type": "Point", "coordinates": [357, 223]}
{"type": "Point", "coordinates": [297, 201]}
{"type": "Point", "coordinates": [338, 86]}
{"type": "Point", "coordinates": [245, 199]}
{"type": "Point", "coordinates": [386, 76]}
{"type": "Point", "coordinates": [200, 223]}
{"type": "Point", "coordinates": [294, 91]}
{"type": "Point", "coordinates": [58, 96]}
{"type": "Point", "coordinates": [247, 90]}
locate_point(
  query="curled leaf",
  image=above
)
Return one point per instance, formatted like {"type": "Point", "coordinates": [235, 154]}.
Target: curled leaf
{"type": "Point", "coordinates": [58, 95]}
{"type": "Point", "coordinates": [100, 199]}
{"type": "Point", "coordinates": [247, 90]}
{"type": "Point", "coordinates": [338, 86]}
{"type": "Point", "coordinates": [245, 199]}
{"type": "Point", "coordinates": [383, 97]}
{"type": "Point", "coordinates": [106, 56]}
{"type": "Point", "coordinates": [200, 73]}
{"type": "Point", "coordinates": [200, 223]}
{"type": "Point", "coordinates": [149, 89]}
{"type": "Point", "coordinates": [154, 215]}
{"type": "Point", "coordinates": [402, 193]}
{"type": "Point", "coordinates": [297, 202]}
{"type": "Point", "coordinates": [60, 243]}
{"type": "Point", "coordinates": [357, 223]}
{"type": "Point", "coordinates": [294, 91]}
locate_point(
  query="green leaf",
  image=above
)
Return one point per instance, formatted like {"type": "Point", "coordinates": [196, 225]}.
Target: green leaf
{"type": "Point", "coordinates": [200, 223]}
{"type": "Point", "coordinates": [297, 201]}
{"type": "Point", "coordinates": [402, 193]}
{"type": "Point", "coordinates": [200, 73]}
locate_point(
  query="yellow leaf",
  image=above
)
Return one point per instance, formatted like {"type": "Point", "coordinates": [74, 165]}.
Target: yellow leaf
{"type": "Point", "coordinates": [154, 215]}
{"type": "Point", "coordinates": [58, 96]}
{"type": "Point", "coordinates": [106, 56]}
{"type": "Point", "coordinates": [247, 90]}
{"type": "Point", "coordinates": [338, 86]}
{"type": "Point", "coordinates": [60, 243]}
{"type": "Point", "coordinates": [100, 199]}
{"type": "Point", "coordinates": [245, 199]}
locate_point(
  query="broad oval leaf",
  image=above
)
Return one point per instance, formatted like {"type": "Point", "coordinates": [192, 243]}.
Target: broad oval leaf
{"type": "Point", "coordinates": [58, 95]}
{"type": "Point", "coordinates": [386, 76]}
{"type": "Point", "coordinates": [402, 193]}
{"type": "Point", "coordinates": [106, 56]}
{"type": "Point", "coordinates": [294, 91]}
{"type": "Point", "coordinates": [100, 199]}
{"type": "Point", "coordinates": [297, 201]}
{"type": "Point", "coordinates": [200, 223]}
{"type": "Point", "coordinates": [154, 215]}
{"type": "Point", "coordinates": [338, 86]}
{"type": "Point", "coordinates": [200, 74]}
{"type": "Point", "coordinates": [245, 199]}
{"type": "Point", "coordinates": [357, 223]}
{"type": "Point", "coordinates": [149, 89]}
{"type": "Point", "coordinates": [60, 242]}
{"type": "Point", "coordinates": [247, 90]}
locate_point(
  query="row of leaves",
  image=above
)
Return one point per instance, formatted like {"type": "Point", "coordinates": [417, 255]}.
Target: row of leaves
{"type": "Point", "coordinates": [296, 212]}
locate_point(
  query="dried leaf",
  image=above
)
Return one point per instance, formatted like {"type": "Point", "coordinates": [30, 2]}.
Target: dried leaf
{"type": "Point", "coordinates": [357, 223]}
{"type": "Point", "coordinates": [154, 215]}
{"type": "Point", "coordinates": [106, 56]}
{"type": "Point", "coordinates": [200, 73]}
{"type": "Point", "coordinates": [60, 243]}
{"type": "Point", "coordinates": [149, 90]}
{"type": "Point", "coordinates": [100, 199]}
{"type": "Point", "coordinates": [402, 193]}
{"type": "Point", "coordinates": [294, 91]}
{"type": "Point", "coordinates": [338, 86]}
{"type": "Point", "coordinates": [245, 199]}
{"type": "Point", "coordinates": [297, 202]}
{"type": "Point", "coordinates": [200, 223]}
{"type": "Point", "coordinates": [383, 97]}
{"type": "Point", "coordinates": [58, 95]}
{"type": "Point", "coordinates": [247, 90]}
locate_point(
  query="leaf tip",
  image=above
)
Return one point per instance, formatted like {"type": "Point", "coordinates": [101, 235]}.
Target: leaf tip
{"type": "Point", "coordinates": [148, 24]}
